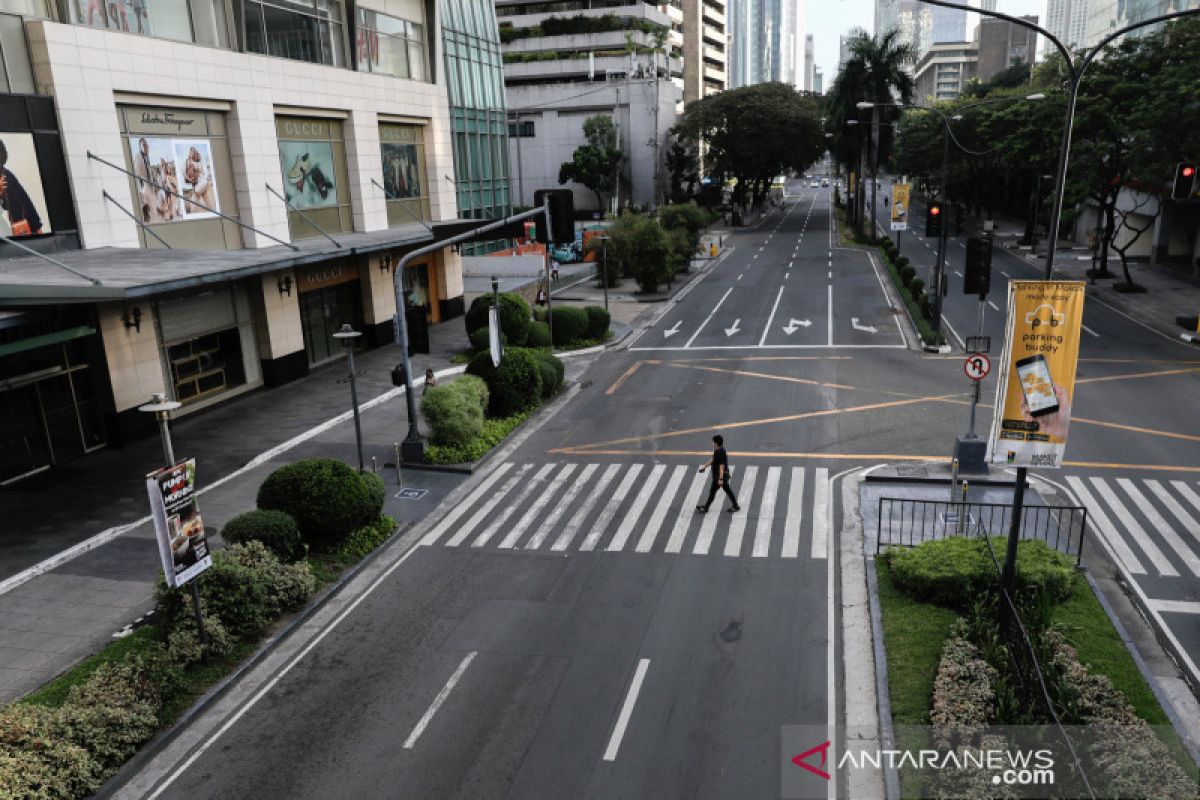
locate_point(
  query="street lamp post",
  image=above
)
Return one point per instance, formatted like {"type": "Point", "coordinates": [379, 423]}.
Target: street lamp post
{"type": "Point", "coordinates": [604, 274]}
{"type": "Point", "coordinates": [347, 335]}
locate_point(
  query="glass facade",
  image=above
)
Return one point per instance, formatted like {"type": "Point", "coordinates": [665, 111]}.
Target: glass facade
{"type": "Point", "coordinates": [201, 21]}
{"type": "Point", "coordinates": [305, 30]}
{"type": "Point", "coordinates": [475, 77]}
{"type": "Point", "coordinates": [390, 45]}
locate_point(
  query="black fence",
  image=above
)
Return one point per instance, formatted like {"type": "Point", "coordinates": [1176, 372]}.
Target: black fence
{"type": "Point", "coordinates": [907, 523]}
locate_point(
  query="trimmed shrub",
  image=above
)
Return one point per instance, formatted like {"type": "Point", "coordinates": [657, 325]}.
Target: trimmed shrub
{"type": "Point", "coordinates": [455, 413]}
{"type": "Point", "coordinates": [916, 286]}
{"type": "Point", "coordinates": [36, 760]}
{"type": "Point", "coordinates": [552, 370]}
{"type": "Point", "coordinates": [363, 541]}
{"type": "Point", "coordinates": [925, 306]}
{"type": "Point", "coordinates": [481, 340]}
{"type": "Point", "coordinates": [275, 529]}
{"type": "Point", "coordinates": [327, 498]}
{"type": "Point", "coordinates": [112, 712]}
{"type": "Point", "coordinates": [901, 263]}
{"type": "Point", "coordinates": [954, 572]}
{"type": "Point", "coordinates": [597, 322]}
{"type": "Point", "coordinates": [907, 273]}
{"type": "Point", "coordinates": [514, 386]}
{"type": "Point", "coordinates": [376, 491]}
{"type": "Point", "coordinates": [540, 313]}
{"type": "Point", "coordinates": [514, 316]}
{"type": "Point", "coordinates": [570, 325]}
{"type": "Point", "coordinates": [963, 691]}
{"type": "Point", "coordinates": [539, 335]}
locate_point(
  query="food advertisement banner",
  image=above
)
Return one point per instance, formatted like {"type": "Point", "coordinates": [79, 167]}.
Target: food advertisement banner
{"type": "Point", "coordinates": [900, 206]}
{"type": "Point", "coordinates": [1036, 380]}
{"type": "Point", "coordinates": [178, 528]}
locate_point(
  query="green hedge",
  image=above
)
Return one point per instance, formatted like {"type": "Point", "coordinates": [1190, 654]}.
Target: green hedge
{"type": "Point", "coordinates": [480, 338]}
{"type": "Point", "coordinates": [956, 571]}
{"type": "Point", "coordinates": [598, 320]}
{"type": "Point", "coordinates": [455, 411]}
{"type": "Point", "coordinates": [514, 386]}
{"type": "Point", "coordinates": [515, 317]}
{"type": "Point", "coordinates": [494, 432]}
{"type": "Point", "coordinates": [275, 529]}
{"type": "Point", "coordinates": [539, 335]}
{"type": "Point", "coordinates": [569, 325]}
{"type": "Point", "coordinates": [327, 498]}
{"type": "Point", "coordinates": [552, 370]}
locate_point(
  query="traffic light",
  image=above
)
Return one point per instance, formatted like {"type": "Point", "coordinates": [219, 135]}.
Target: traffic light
{"type": "Point", "coordinates": [933, 219]}
{"type": "Point", "coordinates": [1187, 183]}
{"type": "Point", "coordinates": [977, 275]}
{"type": "Point", "coordinates": [562, 216]}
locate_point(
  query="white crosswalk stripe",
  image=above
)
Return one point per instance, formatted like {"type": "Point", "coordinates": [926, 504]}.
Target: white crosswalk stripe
{"type": "Point", "coordinates": [820, 539]}
{"type": "Point", "coordinates": [1136, 531]}
{"type": "Point", "coordinates": [1157, 523]}
{"type": "Point", "coordinates": [1102, 524]}
{"type": "Point", "coordinates": [641, 508]}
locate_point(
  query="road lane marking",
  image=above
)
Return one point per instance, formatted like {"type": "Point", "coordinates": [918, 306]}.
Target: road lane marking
{"type": "Point", "coordinates": [560, 507]}
{"type": "Point", "coordinates": [1167, 499]}
{"type": "Point", "coordinates": [709, 526]}
{"type": "Point", "coordinates": [950, 327]}
{"type": "Point", "coordinates": [542, 499]}
{"type": "Point", "coordinates": [465, 505]}
{"type": "Point", "coordinates": [1161, 525]}
{"type": "Point", "coordinates": [829, 320]}
{"type": "Point", "coordinates": [1190, 495]}
{"type": "Point", "coordinates": [617, 384]}
{"type": "Point", "coordinates": [771, 318]}
{"type": "Point", "coordinates": [625, 528]}
{"type": "Point", "coordinates": [737, 527]}
{"type": "Point", "coordinates": [437, 701]}
{"type": "Point", "coordinates": [510, 507]}
{"type": "Point", "coordinates": [821, 510]}
{"type": "Point", "coordinates": [1116, 542]}
{"type": "Point", "coordinates": [577, 519]}
{"type": "Point", "coordinates": [1175, 606]}
{"type": "Point", "coordinates": [686, 513]}
{"type": "Point", "coordinates": [1133, 428]}
{"type": "Point", "coordinates": [1136, 532]}
{"type": "Point", "coordinates": [711, 314]}
{"type": "Point", "coordinates": [1089, 330]}
{"type": "Point", "coordinates": [993, 305]}
{"type": "Point", "coordinates": [610, 510]}
{"type": "Point", "coordinates": [1005, 274]}
{"type": "Point", "coordinates": [635, 686]}
{"type": "Point", "coordinates": [766, 514]}
{"type": "Point", "coordinates": [959, 274]}
{"type": "Point", "coordinates": [650, 533]}
{"type": "Point", "coordinates": [795, 515]}
{"type": "Point", "coordinates": [1132, 375]}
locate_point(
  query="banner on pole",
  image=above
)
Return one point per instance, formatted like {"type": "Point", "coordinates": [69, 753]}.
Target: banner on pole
{"type": "Point", "coordinates": [1036, 379]}
{"type": "Point", "coordinates": [900, 206]}
{"type": "Point", "coordinates": [494, 343]}
{"type": "Point", "coordinates": [182, 543]}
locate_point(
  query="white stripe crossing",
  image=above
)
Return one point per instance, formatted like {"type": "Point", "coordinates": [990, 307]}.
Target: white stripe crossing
{"type": "Point", "coordinates": [820, 519]}
{"type": "Point", "coordinates": [1175, 606]}
{"type": "Point", "coordinates": [539, 502]}
{"type": "Point", "coordinates": [465, 505]}
{"type": "Point", "coordinates": [1175, 507]}
{"type": "Point", "coordinates": [610, 510]}
{"type": "Point", "coordinates": [635, 687]}
{"type": "Point", "coordinates": [686, 514]}
{"type": "Point", "coordinates": [1116, 543]}
{"type": "Point", "coordinates": [795, 515]}
{"type": "Point", "coordinates": [571, 530]}
{"type": "Point", "coordinates": [486, 508]}
{"type": "Point", "coordinates": [737, 526]}
{"type": "Point", "coordinates": [427, 717]}
{"type": "Point", "coordinates": [1161, 525]}
{"type": "Point", "coordinates": [639, 504]}
{"type": "Point", "coordinates": [560, 506]}
{"type": "Point", "coordinates": [1136, 531]}
{"type": "Point", "coordinates": [1190, 495]}
{"type": "Point", "coordinates": [709, 526]}
{"type": "Point", "coordinates": [513, 506]}
{"type": "Point", "coordinates": [650, 533]}
{"type": "Point", "coordinates": [766, 513]}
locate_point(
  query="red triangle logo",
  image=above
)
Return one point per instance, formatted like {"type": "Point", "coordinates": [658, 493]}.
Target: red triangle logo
{"type": "Point", "coordinates": [800, 760]}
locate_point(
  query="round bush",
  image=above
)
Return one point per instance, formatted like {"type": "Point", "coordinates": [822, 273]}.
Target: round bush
{"type": "Point", "coordinates": [570, 325]}
{"type": "Point", "coordinates": [481, 340]}
{"type": "Point", "coordinates": [539, 313]}
{"type": "Point", "coordinates": [552, 369]}
{"type": "Point", "coordinates": [539, 335]}
{"type": "Point", "coordinates": [907, 273]}
{"type": "Point", "coordinates": [514, 316]}
{"type": "Point", "coordinates": [326, 497]}
{"type": "Point", "coordinates": [455, 417]}
{"type": "Point", "coordinates": [275, 529]}
{"type": "Point", "coordinates": [597, 319]}
{"type": "Point", "coordinates": [514, 386]}
{"type": "Point", "coordinates": [902, 262]}
{"type": "Point", "coordinates": [916, 286]}
{"type": "Point", "coordinates": [474, 389]}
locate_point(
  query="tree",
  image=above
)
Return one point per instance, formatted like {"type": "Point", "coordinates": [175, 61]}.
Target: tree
{"type": "Point", "coordinates": [683, 165]}
{"type": "Point", "coordinates": [639, 244]}
{"type": "Point", "coordinates": [597, 162]}
{"type": "Point", "coordinates": [1128, 218]}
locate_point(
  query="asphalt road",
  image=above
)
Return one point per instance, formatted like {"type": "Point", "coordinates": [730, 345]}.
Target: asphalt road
{"type": "Point", "coordinates": [574, 629]}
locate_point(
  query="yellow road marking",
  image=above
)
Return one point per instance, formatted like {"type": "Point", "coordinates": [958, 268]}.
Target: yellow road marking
{"type": "Point", "coordinates": [629, 372]}
{"type": "Point", "coordinates": [1137, 361]}
{"type": "Point", "coordinates": [1132, 375]}
{"type": "Point", "coordinates": [765, 358]}
{"type": "Point", "coordinates": [768, 376]}
{"type": "Point", "coordinates": [1135, 429]}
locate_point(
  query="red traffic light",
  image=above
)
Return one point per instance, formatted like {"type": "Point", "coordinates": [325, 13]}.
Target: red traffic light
{"type": "Point", "coordinates": [1188, 171]}
{"type": "Point", "coordinates": [935, 210]}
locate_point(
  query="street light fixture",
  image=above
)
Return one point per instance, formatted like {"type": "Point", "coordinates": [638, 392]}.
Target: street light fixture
{"type": "Point", "coordinates": [347, 335]}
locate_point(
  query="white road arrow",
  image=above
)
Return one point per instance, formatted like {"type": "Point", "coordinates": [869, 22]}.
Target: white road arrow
{"type": "Point", "coordinates": [674, 329]}
{"type": "Point", "coordinates": [731, 331]}
{"type": "Point", "coordinates": [793, 324]}
{"type": "Point", "coordinates": [857, 327]}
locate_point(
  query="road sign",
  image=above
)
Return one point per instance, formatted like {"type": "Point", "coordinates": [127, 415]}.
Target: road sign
{"type": "Point", "coordinates": [979, 344]}
{"type": "Point", "coordinates": [977, 366]}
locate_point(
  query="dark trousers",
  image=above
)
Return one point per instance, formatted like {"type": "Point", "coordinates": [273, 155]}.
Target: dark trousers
{"type": "Point", "coordinates": [717, 486]}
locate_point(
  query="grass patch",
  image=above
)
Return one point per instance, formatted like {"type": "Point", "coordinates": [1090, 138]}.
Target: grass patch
{"type": "Point", "coordinates": [328, 567]}
{"type": "Point", "coordinates": [494, 432]}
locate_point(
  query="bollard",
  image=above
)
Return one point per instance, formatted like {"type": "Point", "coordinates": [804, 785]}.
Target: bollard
{"type": "Point", "coordinates": [396, 451]}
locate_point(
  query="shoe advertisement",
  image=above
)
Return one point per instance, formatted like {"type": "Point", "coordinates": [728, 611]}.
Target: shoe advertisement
{"type": "Point", "coordinates": [308, 174]}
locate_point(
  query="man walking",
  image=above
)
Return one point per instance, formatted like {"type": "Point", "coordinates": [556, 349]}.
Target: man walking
{"type": "Point", "coordinates": [720, 476]}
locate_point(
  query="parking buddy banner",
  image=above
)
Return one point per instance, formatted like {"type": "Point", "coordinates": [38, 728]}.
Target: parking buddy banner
{"type": "Point", "coordinates": [182, 543]}
{"type": "Point", "coordinates": [900, 206]}
{"type": "Point", "coordinates": [1036, 382]}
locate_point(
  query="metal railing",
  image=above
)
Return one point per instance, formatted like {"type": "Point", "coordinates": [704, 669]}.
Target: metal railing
{"type": "Point", "coordinates": [907, 523]}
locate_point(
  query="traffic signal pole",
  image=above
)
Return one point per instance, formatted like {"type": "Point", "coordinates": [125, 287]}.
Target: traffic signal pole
{"type": "Point", "coordinates": [941, 252]}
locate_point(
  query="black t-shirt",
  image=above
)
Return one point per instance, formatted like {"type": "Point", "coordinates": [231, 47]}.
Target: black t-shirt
{"type": "Point", "coordinates": [720, 459]}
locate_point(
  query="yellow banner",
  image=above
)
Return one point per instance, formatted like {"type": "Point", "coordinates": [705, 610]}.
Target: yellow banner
{"type": "Point", "coordinates": [1036, 382]}
{"type": "Point", "coordinates": [900, 206]}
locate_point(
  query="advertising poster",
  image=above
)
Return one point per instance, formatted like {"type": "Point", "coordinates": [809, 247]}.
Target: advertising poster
{"type": "Point", "coordinates": [178, 528]}
{"type": "Point", "coordinates": [184, 166]}
{"type": "Point", "coordinates": [401, 177]}
{"type": "Point", "coordinates": [308, 174]}
{"type": "Point", "coordinates": [22, 201]}
{"type": "Point", "coordinates": [900, 206]}
{"type": "Point", "coordinates": [1036, 379]}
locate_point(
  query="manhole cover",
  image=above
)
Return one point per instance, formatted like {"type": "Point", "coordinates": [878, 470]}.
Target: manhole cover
{"type": "Point", "coordinates": [910, 472]}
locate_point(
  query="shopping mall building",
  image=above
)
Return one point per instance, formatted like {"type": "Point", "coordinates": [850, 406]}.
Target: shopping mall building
{"type": "Point", "coordinates": [198, 193]}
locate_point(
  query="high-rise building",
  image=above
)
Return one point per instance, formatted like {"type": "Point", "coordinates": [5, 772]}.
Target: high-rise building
{"type": "Point", "coordinates": [808, 63]}
{"type": "Point", "coordinates": [905, 16]}
{"type": "Point", "coordinates": [768, 42]}
{"type": "Point", "coordinates": [942, 73]}
{"type": "Point", "coordinates": [818, 81]}
{"type": "Point", "coordinates": [1106, 16]}
{"type": "Point", "coordinates": [705, 33]}
{"type": "Point", "coordinates": [844, 41]}
{"type": "Point", "coordinates": [1003, 44]}
{"type": "Point", "coordinates": [1067, 20]}
{"type": "Point", "coordinates": [563, 64]}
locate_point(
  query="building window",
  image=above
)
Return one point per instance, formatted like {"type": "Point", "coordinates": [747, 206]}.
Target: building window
{"type": "Point", "coordinates": [312, 158]}
{"type": "Point", "coordinates": [524, 129]}
{"type": "Point", "coordinates": [207, 341]}
{"type": "Point", "coordinates": [304, 30]}
{"type": "Point", "coordinates": [402, 150]}
{"type": "Point", "coordinates": [201, 21]}
{"type": "Point", "coordinates": [390, 45]}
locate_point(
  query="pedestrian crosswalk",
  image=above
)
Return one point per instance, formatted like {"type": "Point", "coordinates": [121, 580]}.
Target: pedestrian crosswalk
{"type": "Point", "coordinates": [1151, 526]}
{"type": "Point", "coordinates": [642, 508]}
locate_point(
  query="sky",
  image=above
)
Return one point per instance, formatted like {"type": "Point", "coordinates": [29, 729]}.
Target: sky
{"type": "Point", "coordinates": [827, 20]}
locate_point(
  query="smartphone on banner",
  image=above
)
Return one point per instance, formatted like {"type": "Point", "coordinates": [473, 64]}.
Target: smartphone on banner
{"type": "Point", "coordinates": [1037, 385]}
